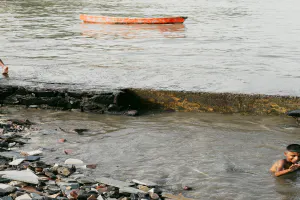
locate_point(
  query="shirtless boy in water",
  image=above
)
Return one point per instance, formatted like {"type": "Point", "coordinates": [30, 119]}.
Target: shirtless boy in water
{"type": "Point", "coordinates": [290, 163]}
{"type": "Point", "coordinates": [4, 67]}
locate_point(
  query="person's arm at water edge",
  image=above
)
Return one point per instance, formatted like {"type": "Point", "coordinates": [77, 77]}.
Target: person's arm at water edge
{"type": "Point", "coordinates": [280, 168]}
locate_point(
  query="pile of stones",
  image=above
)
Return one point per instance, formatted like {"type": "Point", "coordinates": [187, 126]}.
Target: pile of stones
{"type": "Point", "coordinates": [23, 176]}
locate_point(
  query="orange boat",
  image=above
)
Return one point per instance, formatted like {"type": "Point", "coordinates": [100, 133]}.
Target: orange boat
{"type": "Point", "coordinates": [131, 20]}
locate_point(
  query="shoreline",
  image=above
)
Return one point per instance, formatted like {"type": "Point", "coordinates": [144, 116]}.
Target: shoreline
{"type": "Point", "coordinates": [134, 101]}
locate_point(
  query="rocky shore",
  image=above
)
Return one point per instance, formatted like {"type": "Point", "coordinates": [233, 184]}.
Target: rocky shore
{"type": "Point", "coordinates": [24, 176]}
{"type": "Point", "coordinates": [120, 102]}
{"type": "Point", "coordinates": [132, 102]}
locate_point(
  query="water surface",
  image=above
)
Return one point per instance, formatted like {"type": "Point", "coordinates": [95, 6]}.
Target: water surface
{"type": "Point", "coordinates": [246, 46]}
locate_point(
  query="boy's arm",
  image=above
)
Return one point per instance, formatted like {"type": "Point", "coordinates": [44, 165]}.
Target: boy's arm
{"type": "Point", "coordinates": [281, 171]}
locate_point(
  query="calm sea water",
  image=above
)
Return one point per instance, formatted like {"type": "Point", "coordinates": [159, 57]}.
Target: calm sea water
{"type": "Point", "coordinates": [246, 46]}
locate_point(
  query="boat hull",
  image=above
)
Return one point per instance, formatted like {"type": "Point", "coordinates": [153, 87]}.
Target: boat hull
{"type": "Point", "coordinates": [130, 20]}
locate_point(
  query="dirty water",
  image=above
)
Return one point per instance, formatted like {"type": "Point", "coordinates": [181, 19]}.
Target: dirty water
{"type": "Point", "coordinates": [219, 156]}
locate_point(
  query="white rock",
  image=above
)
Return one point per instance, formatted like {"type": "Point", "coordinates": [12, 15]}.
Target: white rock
{"type": "Point", "coordinates": [33, 153]}
{"type": "Point", "coordinates": [23, 197]}
{"type": "Point", "coordinates": [24, 176]}
{"type": "Point", "coordinates": [100, 197]}
{"type": "Point", "coordinates": [151, 191]}
{"type": "Point", "coordinates": [17, 161]}
{"type": "Point", "coordinates": [72, 161]}
{"type": "Point", "coordinates": [7, 188]}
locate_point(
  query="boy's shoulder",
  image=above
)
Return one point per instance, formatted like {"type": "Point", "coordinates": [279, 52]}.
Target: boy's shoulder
{"type": "Point", "coordinates": [281, 162]}
{"type": "Point", "coordinates": [278, 163]}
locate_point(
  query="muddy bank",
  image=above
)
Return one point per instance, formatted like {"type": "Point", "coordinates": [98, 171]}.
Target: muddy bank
{"type": "Point", "coordinates": [134, 101]}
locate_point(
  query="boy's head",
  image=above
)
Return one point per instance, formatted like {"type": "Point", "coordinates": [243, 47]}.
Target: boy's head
{"type": "Point", "coordinates": [292, 153]}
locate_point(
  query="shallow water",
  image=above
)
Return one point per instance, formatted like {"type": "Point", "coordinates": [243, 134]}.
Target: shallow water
{"type": "Point", "coordinates": [219, 156]}
{"type": "Point", "coordinates": [246, 46]}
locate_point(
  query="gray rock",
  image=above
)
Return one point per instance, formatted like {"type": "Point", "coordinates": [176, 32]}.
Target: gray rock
{"type": "Point", "coordinates": [85, 181]}
{"type": "Point", "coordinates": [32, 158]}
{"type": "Point", "coordinates": [50, 183]}
{"type": "Point", "coordinates": [134, 197]}
{"type": "Point", "coordinates": [72, 185]}
{"type": "Point", "coordinates": [6, 198]}
{"type": "Point", "coordinates": [69, 180]}
{"type": "Point", "coordinates": [36, 196]}
{"type": "Point", "coordinates": [6, 189]}
{"type": "Point", "coordinates": [10, 154]}
{"type": "Point", "coordinates": [76, 175]}
{"type": "Point", "coordinates": [53, 188]}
